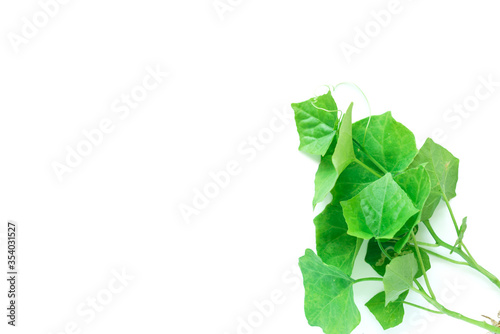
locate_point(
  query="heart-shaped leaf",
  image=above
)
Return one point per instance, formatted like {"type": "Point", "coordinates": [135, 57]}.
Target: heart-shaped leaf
{"type": "Point", "coordinates": [335, 247]}
{"type": "Point", "coordinates": [399, 276]}
{"type": "Point", "coordinates": [390, 315]}
{"type": "Point", "coordinates": [387, 141]}
{"type": "Point", "coordinates": [316, 119]}
{"type": "Point", "coordinates": [442, 167]}
{"type": "Point", "coordinates": [417, 185]}
{"type": "Point", "coordinates": [329, 301]}
{"type": "Point", "coordinates": [380, 210]}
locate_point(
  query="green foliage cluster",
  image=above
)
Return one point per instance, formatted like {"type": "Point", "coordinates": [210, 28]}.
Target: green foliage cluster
{"type": "Point", "coordinates": [383, 187]}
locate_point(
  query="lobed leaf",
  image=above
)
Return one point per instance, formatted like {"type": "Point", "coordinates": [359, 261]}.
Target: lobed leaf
{"type": "Point", "coordinates": [329, 301]}
{"type": "Point", "coordinates": [354, 179]}
{"type": "Point", "coordinates": [442, 168]}
{"type": "Point", "coordinates": [390, 315]}
{"type": "Point", "coordinates": [417, 185]}
{"type": "Point", "coordinates": [335, 247]}
{"type": "Point", "coordinates": [399, 276]}
{"type": "Point", "coordinates": [387, 141]}
{"type": "Point", "coordinates": [380, 210]}
{"type": "Point", "coordinates": [316, 119]}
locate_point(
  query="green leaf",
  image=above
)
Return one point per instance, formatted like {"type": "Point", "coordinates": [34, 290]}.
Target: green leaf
{"type": "Point", "coordinates": [387, 141]}
{"type": "Point", "coordinates": [399, 276]}
{"type": "Point", "coordinates": [329, 301]}
{"type": "Point", "coordinates": [461, 234]}
{"type": "Point", "coordinates": [326, 176]}
{"type": "Point", "coordinates": [417, 185]}
{"type": "Point", "coordinates": [335, 247]}
{"type": "Point", "coordinates": [442, 167]}
{"type": "Point", "coordinates": [354, 179]}
{"type": "Point", "coordinates": [378, 261]}
{"type": "Point", "coordinates": [379, 210]}
{"type": "Point", "coordinates": [316, 119]}
{"type": "Point", "coordinates": [337, 158]}
{"type": "Point", "coordinates": [344, 152]}
{"type": "Point", "coordinates": [390, 315]}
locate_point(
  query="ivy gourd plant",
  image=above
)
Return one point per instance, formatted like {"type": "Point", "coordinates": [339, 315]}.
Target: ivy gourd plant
{"type": "Point", "coordinates": [383, 190]}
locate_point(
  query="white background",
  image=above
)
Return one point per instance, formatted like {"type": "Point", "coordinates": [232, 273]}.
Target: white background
{"type": "Point", "coordinates": [227, 75]}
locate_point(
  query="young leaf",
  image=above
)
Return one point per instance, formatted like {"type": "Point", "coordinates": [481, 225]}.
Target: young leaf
{"type": "Point", "coordinates": [378, 261]}
{"type": "Point", "coordinates": [316, 119]}
{"type": "Point", "coordinates": [344, 152]}
{"type": "Point", "coordinates": [399, 276]}
{"type": "Point", "coordinates": [390, 315]}
{"type": "Point", "coordinates": [326, 176]}
{"type": "Point", "coordinates": [379, 210]}
{"type": "Point", "coordinates": [329, 301]}
{"type": "Point", "coordinates": [387, 141]}
{"type": "Point", "coordinates": [335, 247]}
{"type": "Point", "coordinates": [442, 167]}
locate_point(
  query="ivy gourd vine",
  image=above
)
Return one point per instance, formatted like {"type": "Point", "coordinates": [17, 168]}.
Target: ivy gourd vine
{"type": "Point", "coordinates": [383, 190]}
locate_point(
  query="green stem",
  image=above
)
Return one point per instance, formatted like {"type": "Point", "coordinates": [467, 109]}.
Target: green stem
{"type": "Point", "coordinates": [383, 250]}
{"type": "Point", "coordinates": [468, 253]}
{"type": "Point", "coordinates": [375, 162]}
{"type": "Point", "coordinates": [421, 264]}
{"type": "Point", "coordinates": [456, 315]}
{"type": "Point", "coordinates": [433, 233]}
{"type": "Point", "coordinates": [422, 308]}
{"type": "Point", "coordinates": [427, 244]}
{"type": "Point", "coordinates": [451, 212]}
{"type": "Point", "coordinates": [470, 261]}
{"type": "Point", "coordinates": [367, 279]}
{"type": "Point", "coordinates": [368, 168]}
{"type": "Point", "coordinates": [420, 243]}
{"type": "Point", "coordinates": [444, 257]}
{"type": "Point", "coordinates": [420, 287]}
